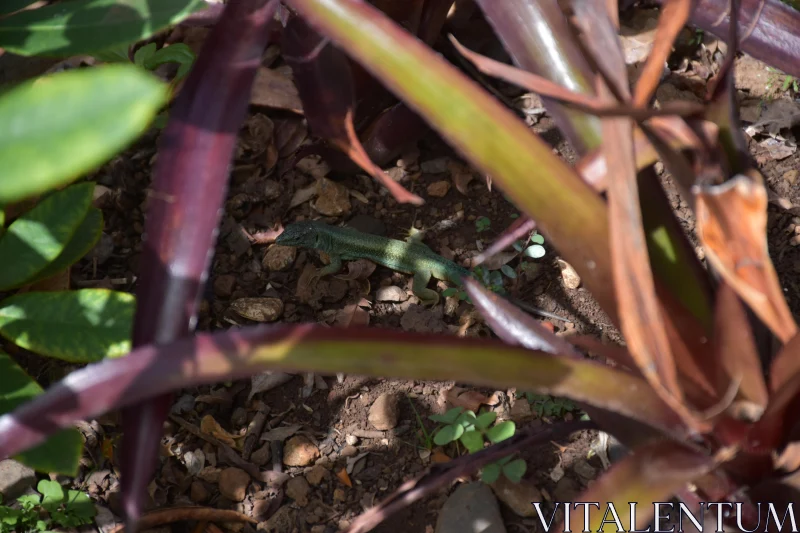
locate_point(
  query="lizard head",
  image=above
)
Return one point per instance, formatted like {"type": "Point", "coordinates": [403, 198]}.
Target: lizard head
{"type": "Point", "coordinates": [301, 234]}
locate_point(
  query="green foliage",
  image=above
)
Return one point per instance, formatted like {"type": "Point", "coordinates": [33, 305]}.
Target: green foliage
{"type": "Point", "coordinates": [51, 508]}
{"type": "Point", "coordinates": [56, 128]}
{"type": "Point", "coordinates": [87, 26]}
{"type": "Point", "coordinates": [544, 405]}
{"type": "Point", "coordinates": [150, 58]}
{"type": "Point", "coordinates": [482, 224]}
{"type": "Point", "coordinates": [472, 431]}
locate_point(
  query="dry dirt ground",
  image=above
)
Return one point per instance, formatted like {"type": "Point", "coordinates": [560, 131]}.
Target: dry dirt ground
{"type": "Point", "coordinates": [340, 463]}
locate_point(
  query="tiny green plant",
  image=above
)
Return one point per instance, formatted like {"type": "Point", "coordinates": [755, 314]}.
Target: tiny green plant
{"type": "Point", "coordinates": [426, 436]}
{"type": "Point", "coordinates": [482, 224]}
{"type": "Point", "coordinates": [52, 507]}
{"type": "Point", "coordinates": [472, 431]}
{"type": "Point", "coordinates": [549, 406]}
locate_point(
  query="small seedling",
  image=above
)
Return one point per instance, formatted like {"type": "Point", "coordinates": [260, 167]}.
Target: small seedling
{"type": "Point", "coordinates": [427, 437]}
{"type": "Point", "coordinates": [50, 508]}
{"type": "Point", "coordinates": [482, 224]}
{"type": "Point", "coordinates": [549, 406]}
{"type": "Point", "coordinates": [472, 431]}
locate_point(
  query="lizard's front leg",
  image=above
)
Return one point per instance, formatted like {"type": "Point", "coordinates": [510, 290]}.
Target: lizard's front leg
{"type": "Point", "coordinates": [332, 268]}
{"type": "Point", "coordinates": [421, 290]}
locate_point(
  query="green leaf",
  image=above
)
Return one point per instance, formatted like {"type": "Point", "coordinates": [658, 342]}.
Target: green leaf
{"type": "Point", "coordinates": [56, 128]}
{"type": "Point", "coordinates": [84, 239]}
{"type": "Point", "coordinates": [61, 452]}
{"type": "Point", "coordinates": [490, 473]}
{"type": "Point", "coordinates": [143, 54]}
{"type": "Point", "coordinates": [80, 505]}
{"type": "Point", "coordinates": [537, 238]}
{"type": "Point", "coordinates": [472, 441]}
{"type": "Point", "coordinates": [86, 26]}
{"type": "Point", "coordinates": [39, 236]}
{"type": "Point", "coordinates": [485, 420]}
{"type": "Point", "coordinates": [449, 417]}
{"type": "Point", "coordinates": [535, 251]}
{"type": "Point", "coordinates": [78, 326]}
{"type": "Point", "coordinates": [52, 492]}
{"type": "Point", "coordinates": [176, 53]}
{"type": "Point", "coordinates": [508, 271]}
{"type": "Point", "coordinates": [449, 292]}
{"type": "Point", "coordinates": [448, 434]}
{"type": "Point", "coordinates": [515, 470]}
{"type": "Point", "coordinates": [466, 418]}
{"type": "Point", "coordinates": [501, 431]}
{"type": "Point", "coordinates": [115, 54]}
{"type": "Point", "coordinates": [28, 501]}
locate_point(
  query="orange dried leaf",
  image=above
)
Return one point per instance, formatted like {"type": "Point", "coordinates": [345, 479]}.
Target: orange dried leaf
{"type": "Point", "coordinates": [211, 427]}
{"type": "Point", "coordinates": [438, 456]}
{"type": "Point", "coordinates": [344, 478]}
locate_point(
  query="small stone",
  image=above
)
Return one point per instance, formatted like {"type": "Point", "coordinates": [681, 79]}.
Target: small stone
{"type": "Point", "coordinates": [352, 440]}
{"type": "Point", "coordinates": [471, 507]}
{"type": "Point", "coordinates": [297, 489]}
{"type": "Point", "coordinates": [262, 455]}
{"type": "Point", "coordinates": [567, 489]}
{"type": "Point", "coordinates": [198, 492]}
{"type": "Point", "coordinates": [224, 285]}
{"type": "Point", "coordinates": [349, 451]}
{"type": "Point", "coordinates": [391, 293]}
{"type": "Point", "coordinates": [316, 475]}
{"type": "Point", "coordinates": [438, 189]}
{"type": "Point", "coordinates": [272, 189]}
{"type": "Point", "coordinates": [435, 166]}
{"type": "Point", "coordinates": [233, 483]}
{"type": "Point", "coordinates": [15, 478]}
{"type": "Point", "coordinates": [282, 521]}
{"type": "Point", "coordinates": [339, 495]}
{"type": "Point", "coordinates": [195, 461]}
{"type": "Point", "coordinates": [571, 278]}
{"type": "Point", "coordinates": [333, 199]}
{"type": "Point", "coordinates": [258, 309]}
{"type": "Point", "coordinates": [299, 451]}
{"type": "Point", "coordinates": [383, 413]}
{"type": "Point", "coordinates": [520, 497]}
{"type": "Point", "coordinates": [791, 176]}
{"type": "Point", "coordinates": [520, 410]}
{"type": "Point", "coordinates": [210, 474]}
{"type": "Point", "coordinates": [279, 257]}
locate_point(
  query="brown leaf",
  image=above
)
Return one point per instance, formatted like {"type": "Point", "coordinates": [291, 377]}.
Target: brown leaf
{"type": "Point", "coordinates": [359, 269]}
{"type": "Point", "coordinates": [732, 225]}
{"type": "Point", "coordinates": [468, 399]}
{"type": "Point", "coordinates": [274, 88]}
{"type": "Point", "coordinates": [344, 478]}
{"type": "Point", "coordinates": [353, 315]}
{"type": "Point", "coordinates": [439, 457]}
{"type": "Point", "coordinates": [211, 427]}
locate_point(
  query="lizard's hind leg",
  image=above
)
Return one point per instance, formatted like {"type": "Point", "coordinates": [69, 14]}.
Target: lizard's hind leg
{"type": "Point", "coordinates": [421, 290]}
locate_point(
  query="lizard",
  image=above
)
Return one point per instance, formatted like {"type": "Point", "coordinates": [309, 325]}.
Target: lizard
{"type": "Point", "coordinates": [411, 256]}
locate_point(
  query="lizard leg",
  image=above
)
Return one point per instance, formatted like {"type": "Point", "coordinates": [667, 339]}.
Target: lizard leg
{"type": "Point", "coordinates": [332, 268]}
{"type": "Point", "coordinates": [421, 290]}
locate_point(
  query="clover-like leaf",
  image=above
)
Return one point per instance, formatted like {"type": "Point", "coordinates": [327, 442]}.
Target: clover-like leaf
{"type": "Point", "coordinates": [472, 441]}
{"type": "Point", "coordinates": [515, 470]}
{"type": "Point", "coordinates": [485, 420]}
{"type": "Point", "coordinates": [449, 417]}
{"type": "Point", "coordinates": [501, 431]}
{"type": "Point", "coordinates": [491, 473]}
{"type": "Point", "coordinates": [448, 434]}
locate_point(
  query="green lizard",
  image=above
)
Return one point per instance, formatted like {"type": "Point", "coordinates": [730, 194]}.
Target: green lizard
{"type": "Point", "coordinates": [410, 256]}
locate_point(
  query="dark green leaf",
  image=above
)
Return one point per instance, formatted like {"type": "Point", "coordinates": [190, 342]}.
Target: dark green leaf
{"type": "Point", "coordinates": [449, 292]}
{"type": "Point", "coordinates": [490, 473]}
{"type": "Point", "coordinates": [515, 470]}
{"type": "Point", "coordinates": [84, 239]}
{"type": "Point", "coordinates": [144, 53]}
{"type": "Point", "coordinates": [40, 235]}
{"type": "Point", "coordinates": [501, 431]}
{"type": "Point", "coordinates": [77, 326]}
{"type": "Point", "coordinates": [61, 126]}
{"type": "Point", "coordinates": [485, 420]}
{"type": "Point", "coordinates": [175, 53]}
{"type": "Point", "coordinates": [449, 417]}
{"type": "Point", "coordinates": [448, 434]}
{"type": "Point", "coordinates": [80, 505]}
{"type": "Point", "coordinates": [508, 271]}
{"type": "Point", "coordinates": [61, 452]}
{"type": "Point", "coordinates": [115, 54]}
{"type": "Point", "coordinates": [86, 26]}
{"type": "Point", "coordinates": [9, 6]}
{"type": "Point", "coordinates": [472, 441]}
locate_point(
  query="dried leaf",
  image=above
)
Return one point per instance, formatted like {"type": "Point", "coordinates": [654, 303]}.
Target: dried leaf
{"type": "Point", "coordinates": [267, 381]}
{"type": "Point", "coordinates": [358, 269]}
{"type": "Point", "coordinates": [468, 399]}
{"type": "Point", "coordinates": [353, 315]}
{"type": "Point", "coordinates": [280, 433]}
{"type": "Point", "coordinates": [302, 196]}
{"type": "Point", "coordinates": [210, 426]}
{"type": "Point", "coordinates": [732, 225]}
{"type": "Point", "coordinates": [275, 89]}
{"type": "Point", "coordinates": [344, 477]}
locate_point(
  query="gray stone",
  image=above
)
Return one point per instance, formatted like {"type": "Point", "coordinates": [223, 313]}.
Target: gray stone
{"type": "Point", "coordinates": [472, 508]}
{"type": "Point", "coordinates": [15, 478]}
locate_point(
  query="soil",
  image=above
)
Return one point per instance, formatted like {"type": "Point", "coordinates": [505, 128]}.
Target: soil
{"type": "Point", "coordinates": [334, 411]}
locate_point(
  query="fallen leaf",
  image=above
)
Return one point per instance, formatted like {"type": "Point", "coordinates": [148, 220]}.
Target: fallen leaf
{"type": "Point", "coordinates": [468, 399]}
{"type": "Point", "coordinates": [344, 478]}
{"type": "Point", "coordinates": [280, 433]}
{"type": "Point", "coordinates": [353, 315]}
{"type": "Point", "coordinates": [274, 88]}
{"type": "Point", "coordinates": [266, 381]}
{"type": "Point", "coordinates": [211, 427]}
{"type": "Point", "coordinates": [359, 269]}
{"type": "Point", "coordinates": [302, 196]}
{"type": "Point", "coordinates": [438, 456]}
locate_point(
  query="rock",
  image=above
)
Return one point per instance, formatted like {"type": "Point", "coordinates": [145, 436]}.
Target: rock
{"type": "Point", "coordinates": [471, 508]}
{"type": "Point", "coordinates": [15, 478]}
{"type": "Point", "coordinates": [198, 492]}
{"type": "Point", "coordinates": [391, 293]}
{"type": "Point", "coordinates": [383, 413]}
{"type": "Point", "coordinates": [233, 483]}
{"type": "Point", "coordinates": [566, 490]}
{"type": "Point", "coordinates": [272, 189]}
{"type": "Point", "coordinates": [438, 189]}
{"type": "Point", "coordinates": [435, 166]}
{"type": "Point", "coordinates": [316, 475]}
{"type": "Point", "coordinates": [297, 489]}
{"type": "Point", "coordinates": [349, 451]}
{"type": "Point", "coordinates": [282, 521]}
{"type": "Point", "coordinates": [423, 320]}
{"type": "Point", "coordinates": [279, 257]}
{"type": "Point", "coordinates": [339, 495]}
{"type": "Point", "coordinates": [299, 451]}
{"type": "Point", "coordinates": [210, 474]}
{"type": "Point", "coordinates": [791, 176]}
{"type": "Point", "coordinates": [224, 285]}
{"type": "Point", "coordinates": [571, 278]}
{"type": "Point", "coordinates": [258, 309]}
{"type": "Point", "coordinates": [352, 440]}
{"type": "Point", "coordinates": [520, 410]}
{"type": "Point", "coordinates": [262, 455]}
{"type": "Point", "coordinates": [195, 461]}
{"type": "Point", "coordinates": [518, 496]}
{"type": "Point", "coordinates": [333, 199]}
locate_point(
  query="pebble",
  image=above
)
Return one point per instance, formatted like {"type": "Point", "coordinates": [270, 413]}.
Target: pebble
{"type": "Point", "coordinates": [571, 278]}
{"type": "Point", "coordinates": [391, 293]}
{"type": "Point", "coordinates": [435, 166]}
{"type": "Point", "coordinates": [258, 309]}
{"type": "Point", "coordinates": [349, 451]}
{"type": "Point", "coordinates": [299, 451]}
{"type": "Point", "coordinates": [224, 285]}
{"type": "Point", "coordinates": [316, 475]}
{"type": "Point", "coordinates": [383, 413]}
{"type": "Point", "coordinates": [470, 508]}
{"type": "Point", "coordinates": [339, 495]}
{"type": "Point", "coordinates": [297, 489]}
{"type": "Point", "coordinates": [233, 483]}
{"type": "Point", "coordinates": [279, 257]}
{"type": "Point", "coordinates": [438, 189]}
{"type": "Point", "coordinates": [518, 496]}
{"type": "Point", "coordinates": [15, 478]}
{"type": "Point", "coordinates": [262, 455]}
{"type": "Point", "coordinates": [272, 189]}
{"type": "Point", "coordinates": [352, 440]}
{"type": "Point", "coordinates": [333, 199]}
{"type": "Point", "coordinates": [198, 492]}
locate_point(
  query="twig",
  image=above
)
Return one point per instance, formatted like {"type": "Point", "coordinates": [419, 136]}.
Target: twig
{"type": "Point", "coordinates": [160, 517]}
{"type": "Point", "coordinates": [254, 430]}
